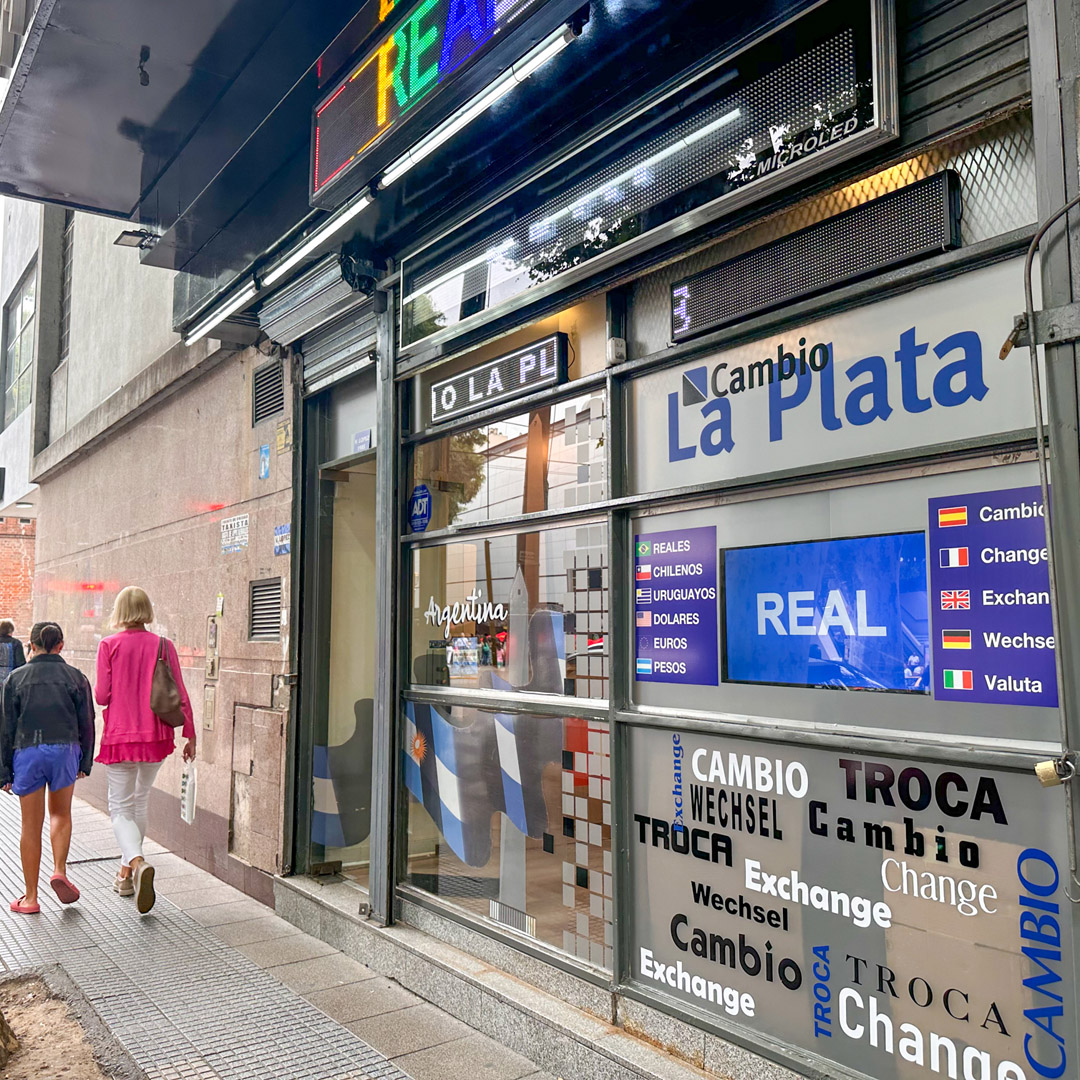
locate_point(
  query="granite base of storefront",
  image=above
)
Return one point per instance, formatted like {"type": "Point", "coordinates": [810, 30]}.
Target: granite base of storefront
{"type": "Point", "coordinates": [571, 1027]}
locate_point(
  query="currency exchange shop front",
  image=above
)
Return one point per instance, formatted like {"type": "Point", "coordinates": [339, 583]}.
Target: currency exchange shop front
{"type": "Point", "coordinates": [841, 669]}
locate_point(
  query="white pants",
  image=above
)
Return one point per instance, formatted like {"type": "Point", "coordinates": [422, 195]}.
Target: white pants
{"type": "Point", "coordinates": [129, 797]}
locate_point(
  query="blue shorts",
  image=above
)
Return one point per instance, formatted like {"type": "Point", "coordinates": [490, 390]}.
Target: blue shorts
{"type": "Point", "coordinates": [55, 764]}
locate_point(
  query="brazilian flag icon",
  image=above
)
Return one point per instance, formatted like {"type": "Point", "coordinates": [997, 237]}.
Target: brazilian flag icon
{"type": "Point", "coordinates": [643, 548]}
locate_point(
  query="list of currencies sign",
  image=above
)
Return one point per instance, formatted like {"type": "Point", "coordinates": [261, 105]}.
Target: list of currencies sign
{"type": "Point", "coordinates": [675, 615]}
{"type": "Point", "coordinates": [990, 597]}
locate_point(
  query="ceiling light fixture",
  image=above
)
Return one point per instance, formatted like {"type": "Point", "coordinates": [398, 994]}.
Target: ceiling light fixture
{"type": "Point", "coordinates": [220, 314]}
{"type": "Point", "coordinates": [332, 225]}
{"type": "Point", "coordinates": [534, 59]}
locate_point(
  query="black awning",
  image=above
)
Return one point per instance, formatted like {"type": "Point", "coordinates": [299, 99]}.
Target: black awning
{"type": "Point", "coordinates": [132, 107]}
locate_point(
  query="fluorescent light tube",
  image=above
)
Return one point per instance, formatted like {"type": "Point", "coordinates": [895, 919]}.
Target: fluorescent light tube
{"type": "Point", "coordinates": [243, 297]}
{"type": "Point", "coordinates": [534, 59]}
{"type": "Point", "coordinates": [328, 228]}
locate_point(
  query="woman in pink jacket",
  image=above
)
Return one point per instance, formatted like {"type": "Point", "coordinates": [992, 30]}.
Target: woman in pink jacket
{"type": "Point", "coordinates": [134, 741]}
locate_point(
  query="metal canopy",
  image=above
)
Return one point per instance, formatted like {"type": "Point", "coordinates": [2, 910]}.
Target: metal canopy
{"type": "Point", "coordinates": [132, 107]}
{"type": "Point", "coordinates": [212, 152]}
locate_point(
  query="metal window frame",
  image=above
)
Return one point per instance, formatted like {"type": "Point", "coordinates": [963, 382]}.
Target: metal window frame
{"type": "Point", "coordinates": [67, 252]}
{"type": "Point", "coordinates": [8, 339]}
{"type": "Point", "coordinates": [618, 511]}
{"type": "Point", "coordinates": [389, 800]}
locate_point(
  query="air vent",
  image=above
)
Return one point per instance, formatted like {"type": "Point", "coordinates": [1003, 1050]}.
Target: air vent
{"type": "Point", "coordinates": [918, 220]}
{"type": "Point", "coordinates": [267, 392]}
{"type": "Point", "coordinates": [265, 619]}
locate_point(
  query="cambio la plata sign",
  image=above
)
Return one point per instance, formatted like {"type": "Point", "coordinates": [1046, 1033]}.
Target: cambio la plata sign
{"type": "Point", "coordinates": [541, 363]}
{"type": "Point", "coordinates": [916, 370]}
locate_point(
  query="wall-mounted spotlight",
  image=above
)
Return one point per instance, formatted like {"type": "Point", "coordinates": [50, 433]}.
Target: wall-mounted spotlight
{"type": "Point", "coordinates": [136, 238]}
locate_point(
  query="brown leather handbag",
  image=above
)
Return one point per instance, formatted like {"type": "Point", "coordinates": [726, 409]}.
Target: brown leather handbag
{"type": "Point", "coordinates": [164, 695]}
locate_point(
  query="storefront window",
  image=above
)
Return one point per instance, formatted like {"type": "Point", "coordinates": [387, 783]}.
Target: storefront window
{"type": "Point", "coordinates": [515, 612]}
{"type": "Point", "coordinates": [549, 459]}
{"type": "Point", "coordinates": [924, 599]}
{"type": "Point", "coordinates": [510, 819]}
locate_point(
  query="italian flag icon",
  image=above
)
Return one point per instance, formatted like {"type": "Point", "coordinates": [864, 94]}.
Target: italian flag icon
{"type": "Point", "coordinates": [957, 680]}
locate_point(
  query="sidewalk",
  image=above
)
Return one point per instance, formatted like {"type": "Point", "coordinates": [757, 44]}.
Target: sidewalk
{"type": "Point", "coordinates": [211, 985]}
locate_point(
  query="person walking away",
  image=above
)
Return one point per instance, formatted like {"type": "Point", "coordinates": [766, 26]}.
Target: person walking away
{"type": "Point", "coordinates": [46, 741]}
{"type": "Point", "coordinates": [11, 650]}
{"type": "Point", "coordinates": [134, 741]}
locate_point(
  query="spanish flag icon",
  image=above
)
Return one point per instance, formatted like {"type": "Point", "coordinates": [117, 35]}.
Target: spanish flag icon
{"type": "Point", "coordinates": [950, 516]}
{"type": "Point", "coordinates": [956, 639]}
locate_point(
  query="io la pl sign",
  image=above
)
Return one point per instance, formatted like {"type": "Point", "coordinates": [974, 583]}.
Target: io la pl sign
{"type": "Point", "coordinates": [541, 363]}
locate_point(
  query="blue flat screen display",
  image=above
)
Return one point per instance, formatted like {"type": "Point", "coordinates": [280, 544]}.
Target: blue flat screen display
{"type": "Point", "coordinates": [843, 614]}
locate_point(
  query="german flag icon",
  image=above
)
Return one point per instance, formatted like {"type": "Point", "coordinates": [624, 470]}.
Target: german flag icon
{"type": "Point", "coordinates": [956, 639]}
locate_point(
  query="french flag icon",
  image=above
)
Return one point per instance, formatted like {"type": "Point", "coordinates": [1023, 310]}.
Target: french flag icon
{"type": "Point", "coordinates": [950, 557]}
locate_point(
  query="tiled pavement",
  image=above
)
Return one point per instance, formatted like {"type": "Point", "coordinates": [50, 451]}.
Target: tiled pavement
{"type": "Point", "coordinates": [211, 985]}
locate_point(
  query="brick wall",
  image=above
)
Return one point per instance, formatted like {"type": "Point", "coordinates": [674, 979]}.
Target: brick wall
{"type": "Point", "coordinates": [17, 573]}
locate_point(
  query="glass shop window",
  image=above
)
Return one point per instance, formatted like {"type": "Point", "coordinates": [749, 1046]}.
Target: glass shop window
{"type": "Point", "coordinates": [918, 603]}
{"type": "Point", "coordinates": [519, 611]}
{"type": "Point", "coordinates": [510, 819]}
{"type": "Point", "coordinates": [551, 458]}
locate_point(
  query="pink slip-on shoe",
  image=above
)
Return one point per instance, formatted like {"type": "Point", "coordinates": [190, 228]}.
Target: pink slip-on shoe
{"type": "Point", "coordinates": [21, 907]}
{"type": "Point", "coordinates": [66, 892]}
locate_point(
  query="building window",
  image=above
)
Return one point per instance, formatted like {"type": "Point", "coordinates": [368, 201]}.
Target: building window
{"type": "Point", "coordinates": [19, 346]}
{"type": "Point", "coordinates": [551, 458]}
{"type": "Point", "coordinates": [509, 817]}
{"type": "Point", "coordinates": [65, 283]}
{"type": "Point", "coordinates": [514, 612]}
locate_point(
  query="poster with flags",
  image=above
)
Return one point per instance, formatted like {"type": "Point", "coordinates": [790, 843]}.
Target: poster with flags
{"type": "Point", "coordinates": [993, 626]}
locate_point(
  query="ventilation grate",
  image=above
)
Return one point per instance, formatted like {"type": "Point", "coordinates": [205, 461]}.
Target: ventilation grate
{"type": "Point", "coordinates": [265, 619]}
{"type": "Point", "coordinates": [267, 392]}
{"type": "Point", "coordinates": [920, 219]}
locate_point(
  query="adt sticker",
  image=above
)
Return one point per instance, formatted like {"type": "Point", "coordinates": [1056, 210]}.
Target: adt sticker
{"type": "Point", "coordinates": [420, 508]}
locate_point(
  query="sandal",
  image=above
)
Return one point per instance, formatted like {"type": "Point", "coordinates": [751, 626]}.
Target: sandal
{"type": "Point", "coordinates": [21, 907]}
{"type": "Point", "coordinates": [66, 892]}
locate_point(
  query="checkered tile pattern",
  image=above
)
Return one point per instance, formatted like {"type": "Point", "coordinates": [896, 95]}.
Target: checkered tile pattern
{"type": "Point", "coordinates": [184, 1005]}
{"type": "Point", "coordinates": [587, 881]}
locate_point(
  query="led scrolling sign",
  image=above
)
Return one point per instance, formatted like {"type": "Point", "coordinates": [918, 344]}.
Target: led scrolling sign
{"type": "Point", "coordinates": [434, 43]}
{"type": "Point", "coordinates": [798, 101]}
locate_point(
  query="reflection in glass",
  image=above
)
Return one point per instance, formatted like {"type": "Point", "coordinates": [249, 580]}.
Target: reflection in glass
{"type": "Point", "coordinates": [510, 818]}
{"type": "Point", "coordinates": [341, 792]}
{"type": "Point", "coordinates": [514, 612]}
{"type": "Point", "coordinates": [797, 94]}
{"type": "Point", "coordinates": [549, 459]}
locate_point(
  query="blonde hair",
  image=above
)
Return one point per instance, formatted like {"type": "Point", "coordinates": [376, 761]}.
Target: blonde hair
{"type": "Point", "coordinates": [132, 608]}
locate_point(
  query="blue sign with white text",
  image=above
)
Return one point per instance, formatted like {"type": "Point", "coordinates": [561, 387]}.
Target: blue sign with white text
{"type": "Point", "coordinates": [993, 624]}
{"type": "Point", "coordinates": [420, 508]}
{"type": "Point", "coordinates": [846, 614]}
{"type": "Point", "coordinates": [675, 606]}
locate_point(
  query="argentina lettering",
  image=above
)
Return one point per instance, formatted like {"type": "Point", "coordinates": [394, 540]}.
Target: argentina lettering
{"type": "Point", "coordinates": [915, 370]}
{"type": "Point", "coordinates": [902, 919]}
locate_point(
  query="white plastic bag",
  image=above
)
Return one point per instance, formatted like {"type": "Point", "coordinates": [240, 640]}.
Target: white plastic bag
{"type": "Point", "coordinates": [187, 792]}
